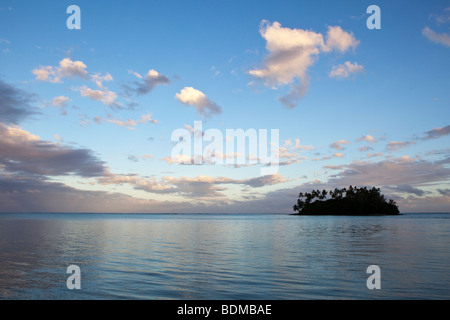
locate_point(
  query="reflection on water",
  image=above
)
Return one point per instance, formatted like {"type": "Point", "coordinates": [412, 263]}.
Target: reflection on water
{"type": "Point", "coordinates": [223, 256]}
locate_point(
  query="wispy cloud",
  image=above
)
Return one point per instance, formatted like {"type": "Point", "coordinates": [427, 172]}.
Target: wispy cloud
{"type": "Point", "coordinates": [373, 155]}
{"type": "Point", "coordinates": [365, 148]}
{"type": "Point", "coordinates": [346, 70]}
{"type": "Point", "coordinates": [129, 123]}
{"type": "Point", "coordinates": [60, 101]}
{"type": "Point", "coordinates": [393, 172]}
{"type": "Point", "coordinates": [407, 189]}
{"type": "Point", "coordinates": [439, 38]}
{"type": "Point", "coordinates": [98, 79]}
{"type": "Point", "coordinates": [107, 97]}
{"type": "Point", "coordinates": [442, 18]}
{"type": "Point", "coordinates": [136, 158]}
{"type": "Point", "coordinates": [203, 186]}
{"type": "Point", "coordinates": [396, 145]}
{"type": "Point", "coordinates": [338, 144]}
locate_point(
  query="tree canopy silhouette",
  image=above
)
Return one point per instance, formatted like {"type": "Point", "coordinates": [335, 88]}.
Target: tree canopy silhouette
{"type": "Point", "coordinates": [351, 201]}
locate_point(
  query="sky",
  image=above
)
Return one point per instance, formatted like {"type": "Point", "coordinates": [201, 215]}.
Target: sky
{"type": "Point", "coordinates": [89, 116]}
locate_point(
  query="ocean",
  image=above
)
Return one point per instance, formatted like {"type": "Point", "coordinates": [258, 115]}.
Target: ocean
{"type": "Point", "coordinates": [223, 256]}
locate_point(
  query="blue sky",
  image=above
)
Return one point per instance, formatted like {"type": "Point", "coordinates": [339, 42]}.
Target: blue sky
{"type": "Point", "coordinates": [87, 115]}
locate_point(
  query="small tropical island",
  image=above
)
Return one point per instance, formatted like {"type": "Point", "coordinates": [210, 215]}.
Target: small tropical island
{"type": "Point", "coordinates": [353, 201]}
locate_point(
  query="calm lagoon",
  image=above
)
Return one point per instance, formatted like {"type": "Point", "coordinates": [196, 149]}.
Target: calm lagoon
{"type": "Point", "coordinates": [220, 256]}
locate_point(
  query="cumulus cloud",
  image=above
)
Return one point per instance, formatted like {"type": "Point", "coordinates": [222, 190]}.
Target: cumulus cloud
{"type": "Point", "coordinates": [196, 98]}
{"type": "Point", "coordinates": [15, 104]}
{"type": "Point", "coordinates": [340, 40]}
{"type": "Point", "coordinates": [439, 38]}
{"type": "Point", "coordinates": [67, 69]}
{"type": "Point", "coordinates": [292, 52]}
{"type": "Point", "coordinates": [70, 69]}
{"type": "Point", "coordinates": [345, 70]}
{"type": "Point", "coordinates": [46, 73]}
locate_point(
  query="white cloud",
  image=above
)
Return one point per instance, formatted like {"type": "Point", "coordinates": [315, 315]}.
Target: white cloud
{"type": "Point", "coordinates": [340, 40]}
{"type": "Point", "coordinates": [67, 69]}
{"type": "Point", "coordinates": [345, 70]}
{"type": "Point", "coordinates": [46, 73]}
{"type": "Point", "coordinates": [292, 52]}
{"type": "Point", "coordinates": [196, 98]}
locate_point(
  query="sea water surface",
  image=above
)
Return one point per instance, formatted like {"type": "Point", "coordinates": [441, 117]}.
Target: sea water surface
{"type": "Point", "coordinates": [219, 256]}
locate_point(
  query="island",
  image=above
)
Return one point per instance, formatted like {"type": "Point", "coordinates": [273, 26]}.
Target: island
{"type": "Point", "coordinates": [353, 201]}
